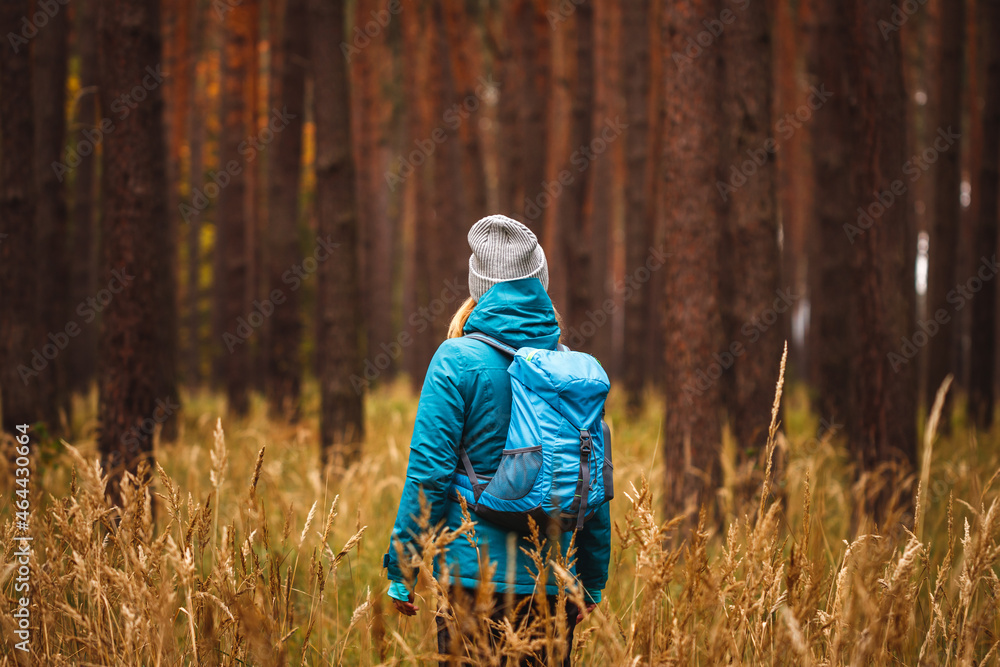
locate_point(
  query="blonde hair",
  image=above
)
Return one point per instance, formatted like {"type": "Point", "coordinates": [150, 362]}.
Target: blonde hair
{"type": "Point", "coordinates": [461, 316]}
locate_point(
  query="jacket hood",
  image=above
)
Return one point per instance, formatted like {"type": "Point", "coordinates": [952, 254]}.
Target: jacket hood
{"type": "Point", "coordinates": [516, 312]}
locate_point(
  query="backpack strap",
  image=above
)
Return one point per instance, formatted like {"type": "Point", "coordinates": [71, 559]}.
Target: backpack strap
{"type": "Point", "coordinates": [492, 342]}
{"type": "Point", "coordinates": [477, 487]}
{"type": "Point", "coordinates": [585, 476]}
{"type": "Point", "coordinates": [470, 472]}
{"type": "Point", "coordinates": [503, 347]}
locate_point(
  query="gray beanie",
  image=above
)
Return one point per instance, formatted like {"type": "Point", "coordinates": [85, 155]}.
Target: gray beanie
{"type": "Point", "coordinates": [502, 250]}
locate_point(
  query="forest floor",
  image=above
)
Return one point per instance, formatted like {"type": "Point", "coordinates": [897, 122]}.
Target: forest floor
{"type": "Point", "coordinates": [287, 569]}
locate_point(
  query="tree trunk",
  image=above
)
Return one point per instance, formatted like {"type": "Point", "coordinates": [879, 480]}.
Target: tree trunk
{"type": "Point", "coordinates": [338, 313]}
{"type": "Point", "coordinates": [536, 60]}
{"type": "Point", "coordinates": [830, 331]}
{"type": "Point", "coordinates": [550, 200]}
{"type": "Point", "coordinates": [510, 44]}
{"type": "Point", "coordinates": [693, 130]}
{"type": "Point", "coordinates": [195, 179]}
{"type": "Point", "coordinates": [448, 221]}
{"type": "Point", "coordinates": [371, 114]}
{"type": "Point", "coordinates": [601, 187]}
{"type": "Point", "coordinates": [638, 223]}
{"type": "Point", "coordinates": [984, 319]}
{"type": "Point", "coordinates": [284, 349]}
{"type": "Point", "coordinates": [19, 249]}
{"type": "Point", "coordinates": [465, 53]}
{"type": "Point", "coordinates": [174, 48]}
{"type": "Point", "coordinates": [751, 301]}
{"type": "Point", "coordinates": [83, 261]}
{"type": "Point", "coordinates": [135, 195]}
{"type": "Point", "coordinates": [794, 186]}
{"type": "Point", "coordinates": [942, 348]}
{"type": "Point", "coordinates": [256, 284]}
{"type": "Point", "coordinates": [180, 91]}
{"type": "Point", "coordinates": [420, 104]}
{"type": "Point", "coordinates": [49, 80]}
{"type": "Point", "coordinates": [883, 393]}
{"type": "Point", "coordinates": [232, 211]}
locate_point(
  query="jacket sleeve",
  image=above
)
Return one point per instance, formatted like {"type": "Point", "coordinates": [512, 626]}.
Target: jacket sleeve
{"type": "Point", "coordinates": [437, 432]}
{"type": "Point", "coordinates": [593, 552]}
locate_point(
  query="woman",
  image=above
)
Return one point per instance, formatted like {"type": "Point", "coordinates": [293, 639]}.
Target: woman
{"type": "Point", "coordinates": [466, 400]}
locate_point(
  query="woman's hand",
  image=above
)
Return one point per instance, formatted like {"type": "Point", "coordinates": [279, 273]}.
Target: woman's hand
{"type": "Point", "coordinates": [590, 607]}
{"type": "Point", "coordinates": [406, 608]}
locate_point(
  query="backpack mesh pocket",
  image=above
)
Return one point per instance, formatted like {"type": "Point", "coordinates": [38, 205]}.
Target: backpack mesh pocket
{"type": "Point", "coordinates": [516, 474]}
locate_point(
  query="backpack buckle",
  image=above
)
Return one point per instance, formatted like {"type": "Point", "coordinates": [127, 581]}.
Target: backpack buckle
{"type": "Point", "coordinates": [585, 442]}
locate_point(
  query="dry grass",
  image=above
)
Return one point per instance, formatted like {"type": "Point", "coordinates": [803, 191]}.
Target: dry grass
{"type": "Point", "coordinates": [238, 549]}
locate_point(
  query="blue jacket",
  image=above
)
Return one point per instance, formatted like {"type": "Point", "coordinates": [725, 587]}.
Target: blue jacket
{"type": "Point", "coordinates": [466, 398]}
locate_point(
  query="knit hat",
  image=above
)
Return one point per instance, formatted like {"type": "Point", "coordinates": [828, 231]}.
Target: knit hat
{"type": "Point", "coordinates": [502, 250]}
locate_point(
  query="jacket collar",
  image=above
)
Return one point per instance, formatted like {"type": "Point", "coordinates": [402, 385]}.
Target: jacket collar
{"type": "Point", "coordinates": [516, 312]}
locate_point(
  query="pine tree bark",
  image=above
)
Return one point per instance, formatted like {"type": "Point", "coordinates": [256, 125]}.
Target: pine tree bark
{"type": "Point", "coordinates": [465, 54]}
{"type": "Point", "coordinates": [82, 363]}
{"type": "Point", "coordinates": [749, 250]}
{"type": "Point", "coordinates": [19, 250]}
{"type": "Point", "coordinates": [830, 337]}
{"type": "Point", "coordinates": [370, 70]}
{"type": "Point", "coordinates": [232, 243]}
{"type": "Point", "coordinates": [638, 212]}
{"type": "Point", "coordinates": [601, 182]}
{"type": "Point", "coordinates": [180, 92]}
{"type": "Point", "coordinates": [794, 177]}
{"type": "Point", "coordinates": [196, 142]}
{"type": "Point", "coordinates": [883, 392]}
{"type": "Point", "coordinates": [338, 316]}
{"type": "Point", "coordinates": [693, 130]}
{"type": "Point", "coordinates": [49, 53]}
{"type": "Point", "coordinates": [284, 349]}
{"type": "Point", "coordinates": [135, 195]}
{"type": "Point", "coordinates": [449, 220]}
{"type": "Point", "coordinates": [165, 237]}
{"type": "Point", "coordinates": [534, 113]}
{"type": "Point", "coordinates": [510, 42]}
{"type": "Point", "coordinates": [256, 283]}
{"type": "Point", "coordinates": [942, 348]}
{"type": "Point", "coordinates": [419, 193]}
{"type": "Point", "coordinates": [983, 332]}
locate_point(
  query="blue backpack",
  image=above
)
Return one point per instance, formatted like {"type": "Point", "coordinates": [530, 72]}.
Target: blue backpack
{"type": "Point", "coordinates": [556, 465]}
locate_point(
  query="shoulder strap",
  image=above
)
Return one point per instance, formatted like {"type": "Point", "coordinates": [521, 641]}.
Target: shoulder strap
{"type": "Point", "coordinates": [503, 347]}
{"type": "Point", "coordinates": [492, 342]}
